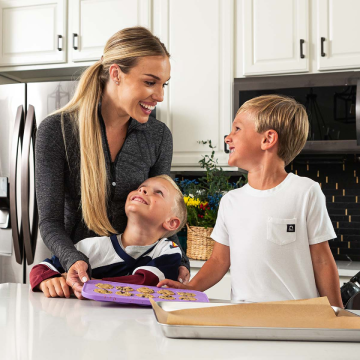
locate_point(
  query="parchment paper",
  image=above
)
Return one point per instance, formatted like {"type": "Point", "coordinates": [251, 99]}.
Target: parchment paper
{"type": "Point", "coordinates": [310, 313]}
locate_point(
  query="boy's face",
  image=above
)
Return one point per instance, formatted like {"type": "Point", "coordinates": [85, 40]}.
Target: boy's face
{"type": "Point", "coordinates": [244, 142]}
{"type": "Point", "coordinates": [153, 202]}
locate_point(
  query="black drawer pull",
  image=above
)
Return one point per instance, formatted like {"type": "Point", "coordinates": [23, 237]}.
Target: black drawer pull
{"type": "Point", "coordinates": [302, 41]}
{"type": "Point", "coordinates": [75, 37]}
{"type": "Point", "coordinates": [60, 42]}
{"type": "Point", "coordinates": [226, 149]}
{"type": "Point", "coordinates": [322, 47]}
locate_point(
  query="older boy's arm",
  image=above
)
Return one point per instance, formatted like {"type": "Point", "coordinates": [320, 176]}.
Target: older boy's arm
{"type": "Point", "coordinates": [326, 273]}
{"type": "Point", "coordinates": [211, 272]}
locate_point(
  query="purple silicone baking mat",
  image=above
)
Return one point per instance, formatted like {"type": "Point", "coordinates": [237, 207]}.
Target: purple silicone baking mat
{"type": "Point", "coordinates": [181, 295]}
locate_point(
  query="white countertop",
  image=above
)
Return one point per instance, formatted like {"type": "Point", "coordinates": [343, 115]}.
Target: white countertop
{"type": "Point", "coordinates": [345, 268]}
{"type": "Point", "coordinates": [33, 327]}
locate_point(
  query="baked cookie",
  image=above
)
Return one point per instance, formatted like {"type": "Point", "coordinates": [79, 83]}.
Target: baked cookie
{"type": "Point", "coordinates": [121, 293]}
{"type": "Point", "coordinates": [102, 291]}
{"type": "Point", "coordinates": [145, 290]}
{"type": "Point", "coordinates": [167, 297]}
{"type": "Point", "coordinates": [104, 286]}
{"type": "Point", "coordinates": [145, 295]}
{"type": "Point", "coordinates": [125, 288]}
{"type": "Point", "coordinates": [166, 292]}
{"type": "Point", "coordinates": [186, 294]}
{"type": "Point", "coordinates": [187, 298]}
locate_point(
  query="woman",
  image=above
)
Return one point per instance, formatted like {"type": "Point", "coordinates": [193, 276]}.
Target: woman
{"type": "Point", "coordinates": [91, 153]}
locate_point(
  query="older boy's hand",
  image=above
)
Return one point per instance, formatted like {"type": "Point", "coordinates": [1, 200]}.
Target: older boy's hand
{"type": "Point", "coordinates": [184, 275]}
{"type": "Point", "coordinates": [55, 287]}
{"type": "Point", "coordinates": [173, 284]}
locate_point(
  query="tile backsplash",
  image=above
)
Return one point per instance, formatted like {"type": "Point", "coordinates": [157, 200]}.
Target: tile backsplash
{"type": "Point", "coordinates": [338, 176]}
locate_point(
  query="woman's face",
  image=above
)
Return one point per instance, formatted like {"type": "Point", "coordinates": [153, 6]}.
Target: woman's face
{"type": "Point", "coordinates": [138, 91]}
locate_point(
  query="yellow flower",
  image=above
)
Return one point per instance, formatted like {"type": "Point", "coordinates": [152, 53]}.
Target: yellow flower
{"type": "Point", "coordinates": [189, 201]}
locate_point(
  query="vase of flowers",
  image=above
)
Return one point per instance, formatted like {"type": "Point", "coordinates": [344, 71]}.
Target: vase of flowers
{"type": "Point", "coordinates": [202, 198]}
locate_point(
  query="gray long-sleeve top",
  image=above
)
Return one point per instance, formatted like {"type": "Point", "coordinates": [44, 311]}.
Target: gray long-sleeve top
{"type": "Point", "coordinates": [146, 152]}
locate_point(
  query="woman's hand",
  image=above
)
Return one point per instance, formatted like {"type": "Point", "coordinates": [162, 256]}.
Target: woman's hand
{"type": "Point", "coordinates": [55, 287]}
{"type": "Point", "coordinates": [77, 276]}
{"type": "Point", "coordinates": [184, 275]}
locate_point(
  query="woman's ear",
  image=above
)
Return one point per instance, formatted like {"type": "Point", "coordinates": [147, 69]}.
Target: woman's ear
{"type": "Point", "coordinates": [171, 224]}
{"type": "Point", "coordinates": [270, 138]}
{"type": "Point", "coordinates": [115, 73]}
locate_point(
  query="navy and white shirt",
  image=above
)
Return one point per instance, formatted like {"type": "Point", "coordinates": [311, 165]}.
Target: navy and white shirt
{"type": "Point", "coordinates": [145, 265]}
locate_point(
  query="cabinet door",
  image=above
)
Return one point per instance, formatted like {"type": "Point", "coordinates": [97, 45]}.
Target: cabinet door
{"type": "Point", "coordinates": [95, 21]}
{"type": "Point", "coordinates": [32, 32]}
{"type": "Point", "coordinates": [198, 101]}
{"type": "Point", "coordinates": [338, 34]}
{"type": "Point", "coordinates": [275, 36]}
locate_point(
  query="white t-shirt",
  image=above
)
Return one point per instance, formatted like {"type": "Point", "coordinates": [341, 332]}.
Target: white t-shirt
{"type": "Point", "coordinates": [269, 233]}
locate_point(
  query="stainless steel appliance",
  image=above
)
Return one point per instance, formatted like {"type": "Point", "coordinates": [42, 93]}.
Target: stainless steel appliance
{"type": "Point", "coordinates": [22, 108]}
{"type": "Point", "coordinates": [332, 102]}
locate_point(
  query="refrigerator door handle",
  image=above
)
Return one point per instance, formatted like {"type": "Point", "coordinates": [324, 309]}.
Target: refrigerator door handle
{"type": "Point", "coordinates": [16, 141]}
{"type": "Point", "coordinates": [357, 113]}
{"type": "Point", "coordinates": [30, 233]}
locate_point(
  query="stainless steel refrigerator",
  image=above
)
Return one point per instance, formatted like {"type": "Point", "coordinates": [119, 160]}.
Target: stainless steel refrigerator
{"type": "Point", "coordinates": [22, 108]}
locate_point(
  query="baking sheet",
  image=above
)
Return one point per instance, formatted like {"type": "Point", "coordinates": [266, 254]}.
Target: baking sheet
{"type": "Point", "coordinates": [251, 333]}
{"type": "Point", "coordinates": [89, 293]}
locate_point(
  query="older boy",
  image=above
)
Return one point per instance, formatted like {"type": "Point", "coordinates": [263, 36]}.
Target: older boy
{"type": "Point", "coordinates": [141, 255]}
{"type": "Point", "coordinates": [275, 230]}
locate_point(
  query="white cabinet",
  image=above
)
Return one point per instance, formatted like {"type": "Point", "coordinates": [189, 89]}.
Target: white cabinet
{"type": "Point", "coordinates": [95, 21]}
{"type": "Point", "coordinates": [198, 101]}
{"type": "Point", "coordinates": [338, 34]}
{"type": "Point", "coordinates": [32, 32]}
{"type": "Point", "coordinates": [275, 36]}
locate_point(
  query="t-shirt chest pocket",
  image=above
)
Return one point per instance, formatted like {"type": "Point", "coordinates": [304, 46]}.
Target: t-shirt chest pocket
{"type": "Point", "coordinates": [281, 231]}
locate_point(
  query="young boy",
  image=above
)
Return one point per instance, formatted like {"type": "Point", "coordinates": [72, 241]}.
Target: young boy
{"type": "Point", "coordinates": [156, 210]}
{"type": "Point", "coordinates": [275, 230]}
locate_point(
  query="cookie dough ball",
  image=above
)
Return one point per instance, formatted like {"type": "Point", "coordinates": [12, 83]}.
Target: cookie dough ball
{"type": "Point", "coordinates": [186, 294]}
{"type": "Point", "coordinates": [125, 288]}
{"type": "Point", "coordinates": [167, 297]}
{"type": "Point", "coordinates": [124, 293]}
{"type": "Point", "coordinates": [145, 295]}
{"type": "Point", "coordinates": [102, 291]}
{"type": "Point", "coordinates": [145, 290]}
{"type": "Point", "coordinates": [104, 286]}
{"type": "Point", "coordinates": [166, 292]}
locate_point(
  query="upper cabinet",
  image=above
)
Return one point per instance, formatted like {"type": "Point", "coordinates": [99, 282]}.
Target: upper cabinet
{"type": "Point", "coordinates": [275, 36]}
{"type": "Point", "coordinates": [338, 34]}
{"type": "Point", "coordinates": [198, 100]}
{"type": "Point", "coordinates": [94, 21]}
{"type": "Point", "coordinates": [32, 32]}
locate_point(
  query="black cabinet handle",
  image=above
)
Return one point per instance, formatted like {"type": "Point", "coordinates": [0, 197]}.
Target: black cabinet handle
{"type": "Point", "coordinates": [225, 146]}
{"type": "Point", "coordinates": [322, 47]}
{"type": "Point", "coordinates": [60, 42]}
{"type": "Point", "coordinates": [302, 48]}
{"type": "Point", "coordinates": [75, 37]}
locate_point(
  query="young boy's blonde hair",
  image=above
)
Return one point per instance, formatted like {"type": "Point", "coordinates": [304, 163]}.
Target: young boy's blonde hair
{"type": "Point", "coordinates": [284, 115]}
{"type": "Point", "coordinates": [179, 207]}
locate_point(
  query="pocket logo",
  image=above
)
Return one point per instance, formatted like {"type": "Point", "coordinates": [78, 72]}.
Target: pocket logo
{"type": "Point", "coordinates": [290, 228]}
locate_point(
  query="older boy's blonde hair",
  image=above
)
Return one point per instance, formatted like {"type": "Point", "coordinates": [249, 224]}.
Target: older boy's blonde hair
{"type": "Point", "coordinates": [284, 115]}
{"type": "Point", "coordinates": [179, 207]}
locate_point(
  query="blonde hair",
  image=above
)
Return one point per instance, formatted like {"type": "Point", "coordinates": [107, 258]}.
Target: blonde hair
{"type": "Point", "coordinates": [284, 115]}
{"type": "Point", "coordinates": [124, 49]}
{"type": "Point", "coordinates": [179, 207]}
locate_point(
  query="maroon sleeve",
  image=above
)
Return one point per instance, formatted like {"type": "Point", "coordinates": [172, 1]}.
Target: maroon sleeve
{"type": "Point", "coordinates": [40, 273]}
{"type": "Point", "coordinates": [141, 277]}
